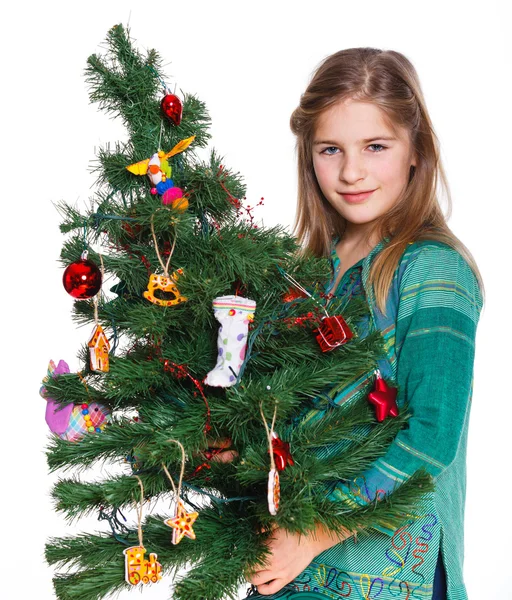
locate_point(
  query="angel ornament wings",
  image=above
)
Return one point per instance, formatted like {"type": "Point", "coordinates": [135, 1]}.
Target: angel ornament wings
{"type": "Point", "coordinates": [159, 171]}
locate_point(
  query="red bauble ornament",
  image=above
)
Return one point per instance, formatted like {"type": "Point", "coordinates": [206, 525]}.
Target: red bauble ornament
{"type": "Point", "coordinates": [172, 108]}
{"type": "Point", "coordinates": [281, 452]}
{"type": "Point", "coordinates": [333, 332]}
{"type": "Point", "coordinates": [384, 399]}
{"type": "Point", "coordinates": [82, 279]}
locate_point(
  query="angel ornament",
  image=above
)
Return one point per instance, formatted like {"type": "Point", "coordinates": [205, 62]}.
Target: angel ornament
{"type": "Point", "coordinates": [159, 171]}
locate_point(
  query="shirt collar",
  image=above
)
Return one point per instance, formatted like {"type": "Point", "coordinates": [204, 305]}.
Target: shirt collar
{"type": "Point", "coordinates": [366, 264]}
{"type": "Point", "coordinates": [367, 259]}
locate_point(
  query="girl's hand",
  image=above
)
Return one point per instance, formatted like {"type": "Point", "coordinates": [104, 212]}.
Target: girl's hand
{"type": "Point", "coordinates": [219, 453]}
{"type": "Point", "coordinates": [291, 554]}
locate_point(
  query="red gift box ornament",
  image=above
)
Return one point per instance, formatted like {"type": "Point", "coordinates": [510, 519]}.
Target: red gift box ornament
{"type": "Point", "coordinates": [333, 332]}
{"type": "Point", "coordinates": [383, 397]}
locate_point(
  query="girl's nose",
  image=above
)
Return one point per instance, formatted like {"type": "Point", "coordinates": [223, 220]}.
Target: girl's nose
{"type": "Point", "coordinates": [154, 169]}
{"type": "Point", "coordinates": [351, 169]}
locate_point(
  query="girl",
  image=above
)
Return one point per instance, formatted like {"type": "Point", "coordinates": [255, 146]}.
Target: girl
{"type": "Point", "coordinates": [368, 165]}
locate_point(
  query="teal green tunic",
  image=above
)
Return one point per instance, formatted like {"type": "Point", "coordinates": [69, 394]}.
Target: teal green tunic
{"type": "Point", "coordinates": [429, 332]}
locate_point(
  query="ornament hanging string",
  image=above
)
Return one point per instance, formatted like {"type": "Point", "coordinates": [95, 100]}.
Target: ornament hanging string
{"type": "Point", "coordinates": [79, 373]}
{"type": "Point", "coordinates": [182, 521]}
{"type": "Point", "coordinates": [139, 526]}
{"type": "Point", "coordinates": [165, 267]}
{"type": "Point", "coordinates": [177, 492]}
{"type": "Point", "coordinates": [85, 240]}
{"type": "Point", "coordinates": [300, 287]}
{"type": "Point", "coordinates": [269, 433]}
{"type": "Point", "coordinates": [160, 136]}
{"type": "Point", "coordinates": [95, 302]}
{"type": "Point", "coordinates": [95, 298]}
{"type": "Point", "coordinates": [273, 486]}
{"type": "Point", "coordinates": [341, 326]}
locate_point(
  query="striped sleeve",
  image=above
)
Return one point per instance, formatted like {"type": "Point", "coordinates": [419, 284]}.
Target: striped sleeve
{"type": "Point", "coordinates": [438, 312]}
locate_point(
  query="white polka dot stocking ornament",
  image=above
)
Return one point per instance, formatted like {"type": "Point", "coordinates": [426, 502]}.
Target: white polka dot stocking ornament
{"type": "Point", "coordinates": [234, 314]}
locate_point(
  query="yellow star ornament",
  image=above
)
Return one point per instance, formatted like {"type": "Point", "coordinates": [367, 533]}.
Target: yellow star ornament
{"type": "Point", "coordinates": [182, 524]}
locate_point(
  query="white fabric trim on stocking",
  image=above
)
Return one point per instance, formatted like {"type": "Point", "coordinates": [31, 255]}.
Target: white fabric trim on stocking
{"type": "Point", "coordinates": [234, 313]}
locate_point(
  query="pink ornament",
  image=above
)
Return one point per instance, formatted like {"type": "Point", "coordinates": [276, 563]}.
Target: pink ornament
{"type": "Point", "coordinates": [171, 195]}
{"type": "Point", "coordinates": [153, 191]}
{"type": "Point", "coordinates": [72, 421]}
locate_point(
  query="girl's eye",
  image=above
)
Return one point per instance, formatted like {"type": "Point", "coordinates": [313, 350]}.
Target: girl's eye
{"type": "Point", "coordinates": [334, 149]}
{"type": "Point", "coordinates": [325, 150]}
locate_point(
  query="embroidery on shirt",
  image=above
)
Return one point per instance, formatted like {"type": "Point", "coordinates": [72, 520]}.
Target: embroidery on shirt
{"type": "Point", "coordinates": [422, 546]}
{"type": "Point", "coordinates": [401, 540]}
{"type": "Point", "coordinates": [337, 583]}
{"type": "Point", "coordinates": [361, 490]}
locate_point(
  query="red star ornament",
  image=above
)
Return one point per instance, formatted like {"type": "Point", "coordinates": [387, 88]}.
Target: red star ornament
{"type": "Point", "coordinates": [281, 452]}
{"type": "Point", "coordinates": [182, 524]}
{"type": "Point", "coordinates": [383, 397]}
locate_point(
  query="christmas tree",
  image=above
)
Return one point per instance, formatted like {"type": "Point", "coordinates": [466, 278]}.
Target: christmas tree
{"type": "Point", "coordinates": [216, 329]}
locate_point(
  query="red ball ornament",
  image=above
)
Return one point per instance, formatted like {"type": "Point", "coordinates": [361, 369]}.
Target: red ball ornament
{"type": "Point", "coordinates": [82, 279]}
{"type": "Point", "coordinates": [172, 108]}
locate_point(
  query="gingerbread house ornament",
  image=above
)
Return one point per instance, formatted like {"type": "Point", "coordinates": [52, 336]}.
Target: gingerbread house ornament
{"type": "Point", "coordinates": [98, 350]}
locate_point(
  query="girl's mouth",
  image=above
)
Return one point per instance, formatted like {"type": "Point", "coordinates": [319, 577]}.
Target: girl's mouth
{"type": "Point", "coordinates": [356, 198]}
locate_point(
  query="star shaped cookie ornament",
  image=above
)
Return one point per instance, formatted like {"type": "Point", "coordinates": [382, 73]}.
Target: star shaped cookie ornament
{"type": "Point", "coordinates": [182, 524]}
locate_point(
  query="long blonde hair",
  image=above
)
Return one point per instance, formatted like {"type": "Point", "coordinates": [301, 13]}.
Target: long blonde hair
{"type": "Point", "coordinates": [389, 80]}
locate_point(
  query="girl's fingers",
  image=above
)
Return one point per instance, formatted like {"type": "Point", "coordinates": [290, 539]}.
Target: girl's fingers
{"type": "Point", "coordinates": [273, 586]}
{"type": "Point", "coordinates": [224, 457]}
{"type": "Point", "coordinates": [218, 443]}
{"type": "Point", "coordinates": [260, 577]}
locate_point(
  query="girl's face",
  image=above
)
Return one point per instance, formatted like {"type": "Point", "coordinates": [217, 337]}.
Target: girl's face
{"type": "Point", "coordinates": [353, 152]}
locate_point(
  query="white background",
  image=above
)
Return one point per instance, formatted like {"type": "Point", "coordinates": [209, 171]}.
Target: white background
{"type": "Point", "coordinates": [249, 61]}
